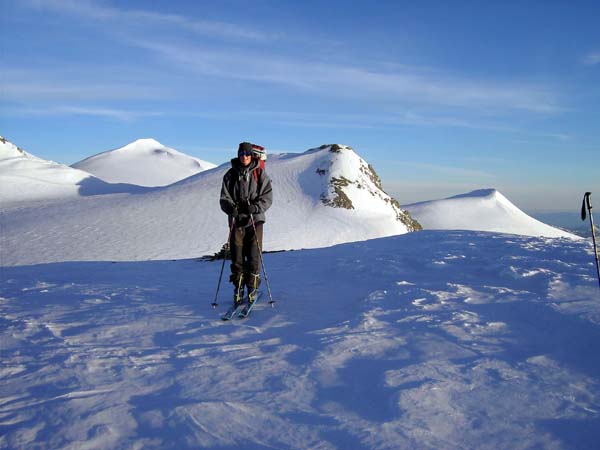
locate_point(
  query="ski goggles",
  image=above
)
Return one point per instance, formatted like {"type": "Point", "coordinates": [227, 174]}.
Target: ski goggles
{"type": "Point", "coordinates": [245, 153]}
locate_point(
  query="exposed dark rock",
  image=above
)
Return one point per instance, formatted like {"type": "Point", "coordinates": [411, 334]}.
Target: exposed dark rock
{"type": "Point", "coordinates": [224, 253]}
{"type": "Point", "coordinates": [340, 199]}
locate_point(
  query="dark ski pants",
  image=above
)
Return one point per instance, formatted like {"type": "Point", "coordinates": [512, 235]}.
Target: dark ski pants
{"type": "Point", "coordinates": [245, 257]}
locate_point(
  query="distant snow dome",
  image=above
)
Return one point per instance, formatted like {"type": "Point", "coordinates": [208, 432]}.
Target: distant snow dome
{"type": "Point", "coordinates": [145, 162]}
{"type": "Point", "coordinates": [25, 178]}
{"type": "Point", "coordinates": [481, 210]}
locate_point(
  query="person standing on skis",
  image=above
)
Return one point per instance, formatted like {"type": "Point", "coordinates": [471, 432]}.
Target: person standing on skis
{"type": "Point", "coordinates": [246, 195]}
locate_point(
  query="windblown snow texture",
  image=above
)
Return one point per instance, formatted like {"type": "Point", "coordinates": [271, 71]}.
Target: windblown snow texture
{"type": "Point", "coordinates": [427, 340]}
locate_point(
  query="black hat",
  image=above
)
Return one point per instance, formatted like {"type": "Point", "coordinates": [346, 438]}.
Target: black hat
{"type": "Point", "coordinates": [245, 147]}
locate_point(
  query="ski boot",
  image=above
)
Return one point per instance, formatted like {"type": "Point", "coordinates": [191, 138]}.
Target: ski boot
{"type": "Point", "coordinates": [238, 293]}
{"type": "Point", "coordinates": [253, 287]}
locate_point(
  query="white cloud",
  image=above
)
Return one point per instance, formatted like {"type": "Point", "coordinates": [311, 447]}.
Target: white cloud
{"type": "Point", "coordinates": [92, 10]}
{"type": "Point", "coordinates": [445, 170]}
{"type": "Point", "coordinates": [382, 82]}
{"type": "Point", "coordinates": [94, 83]}
{"type": "Point", "coordinates": [409, 95]}
{"type": "Point", "coordinates": [409, 84]}
{"type": "Point", "coordinates": [68, 110]}
{"type": "Point", "coordinates": [407, 192]}
{"type": "Point", "coordinates": [591, 59]}
{"type": "Point", "coordinates": [120, 114]}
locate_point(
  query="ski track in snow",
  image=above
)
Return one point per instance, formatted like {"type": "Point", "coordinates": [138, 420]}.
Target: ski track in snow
{"type": "Point", "coordinates": [432, 340]}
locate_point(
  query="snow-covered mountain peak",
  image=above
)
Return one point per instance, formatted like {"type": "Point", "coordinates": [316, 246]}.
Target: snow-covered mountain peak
{"type": "Point", "coordinates": [145, 162]}
{"type": "Point", "coordinates": [489, 193]}
{"type": "Point", "coordinates": [146, 142]}
{"type": "Point", "coordinates": [141, 146]}
{"type": "Point", "coordinates": [25, 177]}
{"type": "Point", "coordinates": [481, 210]}
{"type": "Point", "coordinates": [348, 181]}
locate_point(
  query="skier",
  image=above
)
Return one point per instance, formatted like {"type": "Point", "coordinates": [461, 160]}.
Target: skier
{"type": "Point", "coordinates": [246, 194]}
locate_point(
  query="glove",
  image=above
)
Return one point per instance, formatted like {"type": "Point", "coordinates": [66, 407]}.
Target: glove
{"type": "Point", "coordinates": [253, 209]}
{"type": "Point", "coordinates": [243, 208]}
{"type": "Point", "coordinates": [235, 213]}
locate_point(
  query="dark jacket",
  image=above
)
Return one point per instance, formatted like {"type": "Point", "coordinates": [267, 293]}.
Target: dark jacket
{"type": "Point", "coordinates": [241, 187]}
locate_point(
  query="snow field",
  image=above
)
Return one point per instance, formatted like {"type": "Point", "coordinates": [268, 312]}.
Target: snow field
{"type": "Point", "coordinates": [371, 345]}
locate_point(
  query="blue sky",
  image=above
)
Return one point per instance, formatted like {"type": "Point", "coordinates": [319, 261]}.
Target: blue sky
{"type": "Point", "coordinates": [440, 97]}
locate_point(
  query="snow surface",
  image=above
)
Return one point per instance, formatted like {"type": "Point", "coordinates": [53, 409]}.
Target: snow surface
{"type": "Point", "coordinates": [428, 340]}
{"type": "Point", "coordinates": [145, 162]}
{"type": "Point", "coordinates": [184, 220]}
{"type": "Point", "coordinates": [481, 210]}
{"type": "Point", "coordinates": [27, 178]}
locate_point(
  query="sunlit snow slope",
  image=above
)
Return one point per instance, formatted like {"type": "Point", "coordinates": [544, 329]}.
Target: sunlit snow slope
{"type": "Point", "coordinates": [322, 197]}
{"type": "Point", "coordinates": [26, 178]}
{"type": "Point", "coordinates": [481, 210]}
{"type": "Point", "coordinates": [145, 162]}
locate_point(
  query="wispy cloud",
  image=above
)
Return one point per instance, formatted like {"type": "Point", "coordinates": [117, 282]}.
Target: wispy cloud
{"type": "Point", "coordinates": [452, 100]}
{"type": "Point", "coordinates": [442, 169]}
{"type": "Point", "coordinates": [70, 110]}
{"type": "Point", "coordinates": [592, 58]}
{"type": "Point", "coordinates": [383, 82]}
{"type": "Point", "coordinates": [382, 121]}
{"type": "Point", "coordinates": [120, 114]}
{"type": "Point", "coordinates": [413, 191]}
{"type": "Point", "coordinates": [92, 10]}
{"type": "Point", "coordinates": [51, 84]}
{"type": "Point", "coordinates": [410, 84]}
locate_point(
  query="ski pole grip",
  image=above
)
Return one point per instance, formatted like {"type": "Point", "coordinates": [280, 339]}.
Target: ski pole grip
{"type": "Point", "coordinates": [586, 202]}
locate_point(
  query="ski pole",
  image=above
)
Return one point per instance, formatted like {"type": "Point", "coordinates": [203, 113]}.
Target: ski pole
{"type": "Point", "coordinates": [271, 301]}
{"type": "Point", "coordinates": [587, 202]}
{"type": "Point", "coordinates": [214, 303]}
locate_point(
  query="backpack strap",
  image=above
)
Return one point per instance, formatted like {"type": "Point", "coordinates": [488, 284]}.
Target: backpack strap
{"type": "Point", "coordinates": [257, 172]}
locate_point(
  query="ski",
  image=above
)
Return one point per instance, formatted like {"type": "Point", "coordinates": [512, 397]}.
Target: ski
{"type": "Point", "coordinates": [247, 309]}
{"type": "Point", "coordinates": [232, 312]}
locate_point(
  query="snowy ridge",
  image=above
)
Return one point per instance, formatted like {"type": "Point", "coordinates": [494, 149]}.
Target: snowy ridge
{"type": "Point", "coordinates": [10, 150]}
{"type": "Point", "coordinates": [481, 210]}
{"type": "Point", "coordinates": [26, 178]}
{"type": "Point", "coordinates": [145, 162]}
{"type": "Point", "coordinates": [184, 220]}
